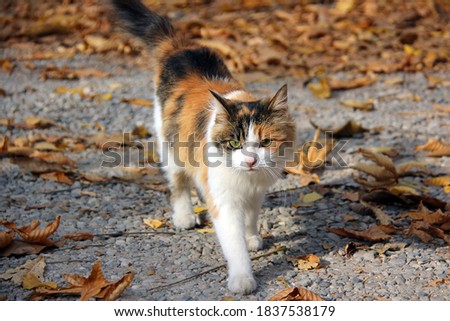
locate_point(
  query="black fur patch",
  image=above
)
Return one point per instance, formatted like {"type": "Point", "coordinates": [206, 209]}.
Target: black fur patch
{"type": "Point", "coordinates": [201, 123]}
{"type": "Point", "coordinates": [142, 22]}
{"type": "Point", "coordinates": [202, 61]}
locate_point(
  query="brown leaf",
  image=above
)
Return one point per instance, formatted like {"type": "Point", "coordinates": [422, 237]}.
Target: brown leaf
{"type": "Point", "coordinates": [94, 286]}
{"type": "Point", "coordinates": [35, 266]}
{"type": "Point", "coordinates": [18, 247]}
{"type": "Point", "coordinates": [380, 215]}
{"type": "Point", "coordinates": [7, 66]}
{"type": "Point", "coordinates": [31, 233]}
{"type": "Point", "coordinates": [411, 167]}
{"type": "Point", "coordinates": [378, 172]}
{"type": "Point", "coordinates": [425, 231]}
{"type": "Point", "coordinates": [438, 181]}
{"type": "Point", "coordinates": [424, 214]}
{"type": "Point", "coordinates": [138, 102]}
{"type": "Point", "coordinates": [445, 109]}
{"type": "Point", "coordinates": [60, 177]}
{"type": "Point", "coordinates": [53, 72]}
{"type": "Point", "coordinates": [295, 294]}
{"type": "Point", "coordinates": [374, 233]}
{"type": "Point", "coordinates": [379, 159]}
{"type": "Point", "coordinates": [93, 177]}
{"type": "Point", "coordinates": [39, 122]}
{"type": "Point", "coordinates": [100, 44]}
{"type": "Point", "coordinates": [436, 148]}
{"type": "Point", "coordinates": [363, 105]}
{"type": "Point", "coordinates": [354, 197]}
{"type": "Point", "coordinates": [348, 129]}
{"type": "Point", "coordinates": [339, 84]}
{"type": "Point", "coordinates": [320, 89]}
{"type": "Point", "coordinates": [37, 166]}
{"type": "Point", "coordinates": [55, 158]}
{"type": "Point", "coordinates": [6, 238]}
{"type": "Point", "coordinates": [94, 283]}
{"type": "Point", "coordinates": [307, 262]}
{"type": "Point", "coordinates": [31, 281]}
{"type": "Point", "coordinates": [79, 236]}
{"type": "Point", "coordinates": [114, 290]}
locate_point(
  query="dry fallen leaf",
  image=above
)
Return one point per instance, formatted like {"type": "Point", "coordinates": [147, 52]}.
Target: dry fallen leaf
{"type": "Point", "coordinates": [39, 122]}
{"type": "Point", "coordinates": [311, 197]}
{"type": "Point", "coordinates": [59, 177]}
{"type": "Point", "coordinates": [307, 262]}
{"type": "Point", "coordinates": [56, 158]}
{"type": "Point", "coordinates": [426, 232]}
{"type": "Point", "coordinates": [363, 105]}
{"type": "Point", "coordinates": [380, 215]}
{"type": "Point", "coordinates": [374, 233]}
{"type": "Point", "coordinates": [94, 286]}
{"type": "Point", "coordinates": [31, 281]}
{"type": "Point", "coordinates": [435, 148]}
{"type": "Point", "coordinates": [32, 234]}
{"type": "Point", "coordinates": [17, 274]}
{"type": "Point", "coordinates": [348, 129]}
{"type": "Point", "coordinates": [53, 72]}
{"type": "Point", "coordinates": [295, 294]}
{"type": "Point", "coordinates": [438, 181]}
{"type": "Point", "coordinates": [138, 102]}
{"type": "Point", "coordinates": [154, 224]}
{"type": "Point", "coordinates": [79, 236]}
{"type": "Point", "coordinates": [383, 170]}
{"type": "Point", "coordinates": [321, 89]}
{"type": "Point", "coordinates": [6, 238]}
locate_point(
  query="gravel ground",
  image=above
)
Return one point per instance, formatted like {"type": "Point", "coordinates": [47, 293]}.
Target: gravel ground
{"type": "Point", "coordinates": [160, 259]}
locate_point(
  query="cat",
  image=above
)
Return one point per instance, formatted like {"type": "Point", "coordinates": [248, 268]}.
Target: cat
{"type": "Point", "coordinates": [215, 134]}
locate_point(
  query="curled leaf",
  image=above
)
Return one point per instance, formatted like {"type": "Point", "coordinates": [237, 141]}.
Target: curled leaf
{"type": "Point", "coordinates": [295, 294]}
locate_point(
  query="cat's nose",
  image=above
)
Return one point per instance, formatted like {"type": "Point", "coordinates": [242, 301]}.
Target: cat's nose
{"type": "Point", "coordinates": [250, 161]}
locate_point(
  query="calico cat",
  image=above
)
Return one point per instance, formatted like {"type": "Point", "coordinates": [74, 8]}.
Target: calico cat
{"type": "Point", "coordinates": [215, 134]}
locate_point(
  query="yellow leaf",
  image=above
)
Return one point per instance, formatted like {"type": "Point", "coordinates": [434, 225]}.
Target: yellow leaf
{"type": "Point", "coordinates": [200, 209]}
{"type": "Point", "coordinates": [344, 6]}
{"type": "Point", "coordinates": [438, 181]}
{"type": "Point", "coordinates": [320, 89]}
{"type": "Point", "coordinates": [30, 281]}
{"type": "Point", "coordinates": [308, 262]}
{"type": "Point", "coordinates": [364, 105]}
{"type": "Point", "coordinates": [397, 80]}
{"type": "Point", "coordinates": [410, 50]}
{"type": "Point", "coordinates": [402, 190]}
{"type": "Point", "coordinates": [137, 101]}
{"type": "Point", "coordinates": [311, 197]}
{"type": "Point", "coordinates": [206, 230]}
{"type": "Point", "coordinates": [155, 224]}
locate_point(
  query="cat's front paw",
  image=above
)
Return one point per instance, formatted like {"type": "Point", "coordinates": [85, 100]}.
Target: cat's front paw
{"type": "Point", "coordinates": [184, 220]}
{"type": "Point", "coordinates": [254, 243]}
{"type": "Point", "coordinates": [242, 284]}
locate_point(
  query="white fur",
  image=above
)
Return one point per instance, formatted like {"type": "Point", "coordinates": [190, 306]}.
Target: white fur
{"type": "Point", "coordinates": [238, 194]}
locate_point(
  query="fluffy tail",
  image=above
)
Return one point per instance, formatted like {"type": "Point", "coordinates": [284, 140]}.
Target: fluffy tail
{"type": "Point", "coordinates": [143, 23]}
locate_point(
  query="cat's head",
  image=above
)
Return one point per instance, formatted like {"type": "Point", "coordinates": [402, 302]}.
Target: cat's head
{"type": "Point", "coordinates": [253, 136]}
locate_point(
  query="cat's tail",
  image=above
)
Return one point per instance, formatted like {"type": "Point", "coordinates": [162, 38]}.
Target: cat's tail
{"type": "Point", "coordinates": [145, 24]}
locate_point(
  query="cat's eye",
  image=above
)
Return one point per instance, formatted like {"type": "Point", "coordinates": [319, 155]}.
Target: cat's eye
{"type": "Point", "coordinates": [266, 142]}
{"type": "Point", "coordinates": [234, 143]}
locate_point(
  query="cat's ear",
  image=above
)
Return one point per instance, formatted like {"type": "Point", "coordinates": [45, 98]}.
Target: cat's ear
{"type": "Point", "coordinates": [223, 102]}
{"type": "Point", "coordinates": [280, 100]}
